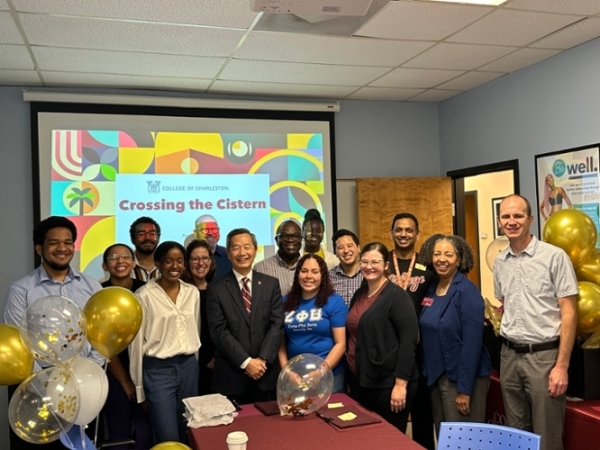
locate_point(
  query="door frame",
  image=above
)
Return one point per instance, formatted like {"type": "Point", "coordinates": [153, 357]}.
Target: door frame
{"type": "Point", "coordinates": [458, 186]}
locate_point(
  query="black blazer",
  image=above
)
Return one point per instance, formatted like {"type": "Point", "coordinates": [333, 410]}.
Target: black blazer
{"type": "Point", "coordinates": [387, 337]}
{"type": "Point", "coordinates": [237, 337]}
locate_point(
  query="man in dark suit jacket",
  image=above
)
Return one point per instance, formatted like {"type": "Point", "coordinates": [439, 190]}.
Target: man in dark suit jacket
{"type": "Point", "coordinates": [245, 318]}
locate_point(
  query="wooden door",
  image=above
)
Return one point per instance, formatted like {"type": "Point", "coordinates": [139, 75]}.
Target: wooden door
{"type": "Point", "coordinates": [472, 234]}
{"type": "Point", "coordinates": [380, 199]}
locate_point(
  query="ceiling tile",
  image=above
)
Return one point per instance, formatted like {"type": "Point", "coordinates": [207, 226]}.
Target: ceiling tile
{"type": "Point", "coordinates": [434, 95]}
{"type": "Point", "coordinates": [105, 34]}
{"type": "Point", "coordinates": [123, 81]}
{"type": "Point", "coordinates": [576, 34]}
{"type": "Point", "coordinates": [281, 89]}
{"type": "Point", "coordinates": [277, 72]}
{"type": "Point", "coordinates": [458, 56]}
{"type": "Point", "coordinates": [15, 57]}
{"type": "Point", "coordinates": [415, 78]}
{"type": "Point", "coordinates": [385, 94]}
{"type": "Point", "coordinates": [583, 7]}
{"type": "Point", "coordinates": [519, 59]}
{"type": "Point", "coordinates": [9, 33]}
{"type": "Point", "coordinates": [19, 78]}
{"type": "Point", "coordinates": [428, 21]}
{"type": "Point", "coordinates": [470, 80]}
{"type": "Point", "coordinates": [99, 61]}
{"type": "Point", "coordinates": [221, 13]}
{"type": "Point", "coordinates": [3, 5]}
{"type": "Point", "coordinates": [508, 27]}
{"type": "Point", "coordinates": [328, 50]}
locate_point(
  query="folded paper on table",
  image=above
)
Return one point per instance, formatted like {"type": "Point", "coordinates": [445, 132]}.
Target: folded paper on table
{"type": "Point", "coordinates": [338, 417]}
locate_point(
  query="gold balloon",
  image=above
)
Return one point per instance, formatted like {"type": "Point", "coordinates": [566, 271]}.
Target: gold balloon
{"type": "Point", "coordinates": [170, 445]}
{"type": "Point", "coordinates": [114, 317]}
{"type": "Point", "coordinates": [16, 362]}
{"type": "Point", "coordinates": [574, 232]}
{"type": "Point", "coordinates": [589, 270]}
{"type": "Point", "coordinates": [588, 307]}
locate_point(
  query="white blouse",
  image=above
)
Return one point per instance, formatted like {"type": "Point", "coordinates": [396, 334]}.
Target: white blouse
{"type": "Point", "coordinates": [168, 328]}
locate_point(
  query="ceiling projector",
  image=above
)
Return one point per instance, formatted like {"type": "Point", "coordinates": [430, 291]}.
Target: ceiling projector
{"type": "Point", "coordinates": [312, 7]}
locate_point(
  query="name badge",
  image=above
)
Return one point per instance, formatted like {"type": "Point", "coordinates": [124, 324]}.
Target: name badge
{"type": "Point", "coordinates": [427, 301]}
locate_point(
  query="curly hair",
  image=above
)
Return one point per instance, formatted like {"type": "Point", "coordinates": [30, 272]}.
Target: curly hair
{"type": "Point", "coordinates": [187, 274]}
{"type": "Point", "coordinates": [139, 221]}
{"type": "Point", "coordinates": [42, 228]}
{"type": "Point", "coordinates": [325, 287]}
{"type": "Point", "coordinates": [462, 247]}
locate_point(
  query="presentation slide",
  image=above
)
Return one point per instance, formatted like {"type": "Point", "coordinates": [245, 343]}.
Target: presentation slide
{"type": "Point", "coordinates": [104, 178]}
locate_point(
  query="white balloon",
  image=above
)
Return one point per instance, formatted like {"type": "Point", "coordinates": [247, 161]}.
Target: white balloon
{"type": "Point", "coordinates": [93, 389]}
{"type": "Point", "coordinates": [494, 249]}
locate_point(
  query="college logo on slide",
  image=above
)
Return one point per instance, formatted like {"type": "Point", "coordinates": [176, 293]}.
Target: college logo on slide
{"type": "Point", "coordinates": [153, 187]}
{"type": "Point", "coordinates": [559, 167]}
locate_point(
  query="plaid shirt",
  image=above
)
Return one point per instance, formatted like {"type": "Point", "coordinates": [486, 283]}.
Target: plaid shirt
{"type": "Point", "coordinates": [278, 268]}
{"type": "Point", "coordinates": [343, 284]}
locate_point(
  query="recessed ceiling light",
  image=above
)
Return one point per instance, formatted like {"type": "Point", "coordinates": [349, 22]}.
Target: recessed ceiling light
{"type": "Point", "coordinates": [474, 2]}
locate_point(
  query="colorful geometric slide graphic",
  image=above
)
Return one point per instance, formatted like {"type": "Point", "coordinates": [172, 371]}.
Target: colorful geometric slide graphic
{"type": "Point", "coordinates": [86, 164]}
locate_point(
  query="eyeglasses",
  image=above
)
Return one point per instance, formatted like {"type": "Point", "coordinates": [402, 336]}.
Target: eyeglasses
{"type": "Point", "coordinates": [285, 236]}
{"type": "Point", "coordinates": [150, 234]}
{"type": "Point", "coordinates": [373, 263]}
{"type": "Point", "coordinates": [211, 230]}
{"type": "Point", "coordinates": [200, 259]}
{"type": "Point", "coordinates": [115, 256]}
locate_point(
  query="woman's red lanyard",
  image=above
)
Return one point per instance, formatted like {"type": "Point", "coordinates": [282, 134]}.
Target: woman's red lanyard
{"type": "Point", "coordinates": [400, 280]}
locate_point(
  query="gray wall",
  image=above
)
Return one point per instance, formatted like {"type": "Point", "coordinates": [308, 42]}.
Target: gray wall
{"type": "Point", "coordinates": [372, 139]}
{"type": "Point", "coordinates": [553, 105]}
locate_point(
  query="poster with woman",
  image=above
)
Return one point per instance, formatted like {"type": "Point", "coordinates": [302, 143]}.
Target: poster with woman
{"type": "Point", "coordinates": [568, 179]}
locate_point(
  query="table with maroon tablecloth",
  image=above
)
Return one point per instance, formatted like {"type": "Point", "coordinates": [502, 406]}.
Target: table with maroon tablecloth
{"type": "Point", "coordinates": [277, 432]}
{"type": "Point", "coordinates": [582, 420]}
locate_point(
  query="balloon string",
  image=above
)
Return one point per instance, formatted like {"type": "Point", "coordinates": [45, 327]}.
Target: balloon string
{"type": "Point", "coordinates": [82, 437]}
{"type": "Point", "coordinates": [98, 416]}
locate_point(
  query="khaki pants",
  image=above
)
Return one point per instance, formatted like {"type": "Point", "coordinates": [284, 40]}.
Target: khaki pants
{"type": "Point", "coordinates": [528, 405]}
{"type": "Point", "coordinates": [443, 402]}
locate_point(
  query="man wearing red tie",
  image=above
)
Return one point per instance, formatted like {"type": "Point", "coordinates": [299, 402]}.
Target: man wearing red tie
{"type": "Point", "coordinates": [245, 318]}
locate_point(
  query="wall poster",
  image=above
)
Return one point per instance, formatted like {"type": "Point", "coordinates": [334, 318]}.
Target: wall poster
{"type": "Point", "coordinates": [568, 179]}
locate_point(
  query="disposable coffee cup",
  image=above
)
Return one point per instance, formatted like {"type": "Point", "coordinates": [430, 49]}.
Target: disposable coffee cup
{"type": "Point", "coordinates": [236, 440]}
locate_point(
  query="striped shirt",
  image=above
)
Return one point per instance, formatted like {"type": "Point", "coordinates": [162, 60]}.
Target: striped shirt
{"type": "Point", "coordinates": [143, 274]}
{"type": "Point", "coordinates": [278, 268]}
{"type": "Point", "coordinates": [77, 287]}
{"type": "Point", "coordinates": [345, 285]}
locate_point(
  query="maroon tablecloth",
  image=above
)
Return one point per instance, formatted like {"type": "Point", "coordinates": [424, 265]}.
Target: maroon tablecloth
{"type": "Point", "coordinates": [582, 420]}
{"type": "Point", "coordinates": [277, 433]}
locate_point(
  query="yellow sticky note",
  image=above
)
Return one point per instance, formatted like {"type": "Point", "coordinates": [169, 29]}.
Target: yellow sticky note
{"type": "Point", "coordinates": [335, 405]}
{"type": "Point", "coordinates": [347, 416]}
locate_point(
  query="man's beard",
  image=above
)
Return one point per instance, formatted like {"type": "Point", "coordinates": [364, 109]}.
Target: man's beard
{"type": "Point", "coordinates": [56, 266]}
{"type": "Point", "coordinates": [145, 251]}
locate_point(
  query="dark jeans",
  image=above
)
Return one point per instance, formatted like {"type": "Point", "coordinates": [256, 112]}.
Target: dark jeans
{"type": "Point", "coordinates": [166, 383]}
{"type": "Point", "coordinates": [378, 400]}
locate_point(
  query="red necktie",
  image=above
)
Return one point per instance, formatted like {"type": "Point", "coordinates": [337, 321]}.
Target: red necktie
{"type": "Point", "coordinates": [246, 295]}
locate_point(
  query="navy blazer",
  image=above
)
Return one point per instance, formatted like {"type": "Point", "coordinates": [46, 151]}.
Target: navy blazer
{"type": "Point", "coordinates": [460, 325]}
{"type": "Point", "coordinates": [237, 336]}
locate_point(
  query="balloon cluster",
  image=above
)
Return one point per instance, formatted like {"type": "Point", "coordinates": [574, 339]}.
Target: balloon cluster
{"type": "Point", "coordinates": [575, 232]}
{"type": "Point", "coordinates": [73, 390]}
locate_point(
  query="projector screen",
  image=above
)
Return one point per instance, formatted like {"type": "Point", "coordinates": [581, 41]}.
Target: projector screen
{"type": "Point", "coordinates": [103, 167]}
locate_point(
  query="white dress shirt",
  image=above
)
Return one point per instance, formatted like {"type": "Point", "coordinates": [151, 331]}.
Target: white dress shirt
{"type": "Point", "coordinates": [168, 328]}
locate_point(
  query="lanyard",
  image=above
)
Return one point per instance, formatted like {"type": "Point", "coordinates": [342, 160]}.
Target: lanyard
{"type": "Point", "coordinates": [402, 281]}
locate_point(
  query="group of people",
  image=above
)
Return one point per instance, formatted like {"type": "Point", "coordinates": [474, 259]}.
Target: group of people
{"type": "Point", "coordinates": [402, 331]}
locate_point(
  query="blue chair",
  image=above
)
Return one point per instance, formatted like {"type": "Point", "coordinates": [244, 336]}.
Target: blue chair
{"type": "Point", "coordinates": [485, 436]}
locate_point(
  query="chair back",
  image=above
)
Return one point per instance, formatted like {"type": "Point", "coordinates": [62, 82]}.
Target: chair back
{"type": "Point", "coordinates": [485, 436]}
